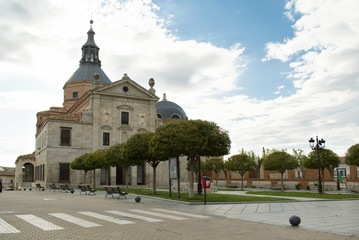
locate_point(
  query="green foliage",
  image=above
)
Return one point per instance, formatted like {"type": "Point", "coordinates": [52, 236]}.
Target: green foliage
{"type": "Point", "coordinates": [195, 166]}
{"type": "Point", "coordinates": [80, 163]}
{"type": "Point", "coordinates": [214, 164]}
{"type": "Point", "coordinates": [96, 160]}
{"type": "Point", "coordinates": [240, 163]}
{"type": "Point", "coordinates": [190, 138]}
{"type": "Point", "coordinates": [113, 155]}
{"type": "Point", "coordinates": [279, 161]}
{"type": "Point", "coordinates": [298, 186]}
{"type": "Point", "coordinates": [352, 155]}
{"type": "Point", "coordinates": [137, 151]}
{"type": "Point", "coordinates": [328, 159]}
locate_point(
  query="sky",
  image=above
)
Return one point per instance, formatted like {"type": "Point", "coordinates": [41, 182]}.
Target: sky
{"type": "Point", "coordinates": [272, 73]}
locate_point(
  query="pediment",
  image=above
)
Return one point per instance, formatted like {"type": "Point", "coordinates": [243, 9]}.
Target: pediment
{"type": "Point", "coordinates": [126, 88]}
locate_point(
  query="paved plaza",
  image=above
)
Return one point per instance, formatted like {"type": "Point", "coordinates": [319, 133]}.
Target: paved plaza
{"type": "Point", "coordinates": [56, 215]}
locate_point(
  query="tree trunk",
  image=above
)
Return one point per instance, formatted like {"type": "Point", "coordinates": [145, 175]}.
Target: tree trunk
{"type": "Point", "coordinates": [85, 177]}
{"type": "Point", "coordinates": [107, 176]}
{"type": "Point", "coordinates": [242, 175]}
{"type": "Point", "coordinates": [126, 178]}
{"type": "Point", "coordinates": [154, 180]}
{"type": "Point", "coordinates": [281, 180]}
{"type": "Point", "coordinates": [216, 178]}
{"type": "Point", "coordinates": [94, 178]}
{"type": "Point", "coordinates": [191, 191]}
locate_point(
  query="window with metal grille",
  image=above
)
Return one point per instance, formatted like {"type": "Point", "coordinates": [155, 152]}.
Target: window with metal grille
{"type": "Point", "coordinates": [64, 172]}
{"type": "Point", "coordinates": [106, 139]}
{"type": "Point", "coordinates": [124, 117]}
{"type": "Point", "coordinates": [65, 139]}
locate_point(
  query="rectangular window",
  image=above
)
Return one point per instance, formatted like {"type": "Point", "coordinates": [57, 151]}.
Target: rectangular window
{"type": "Point", "coordinates": [124, 117]}
{"type": "Point", "coordinates": [64, 172]}
{"type": "Point", "coordinates": [106, 139]}
{"type": "Point", "coordinates": [65, 139]}
{"type": "Point", "coordinates": [75, 95]}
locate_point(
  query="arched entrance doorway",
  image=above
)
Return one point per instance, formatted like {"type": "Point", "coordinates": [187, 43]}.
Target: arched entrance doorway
{"type": "Point", "coordinates": [28, 172]}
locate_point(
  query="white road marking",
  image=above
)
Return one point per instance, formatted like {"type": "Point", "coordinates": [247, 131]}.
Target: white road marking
{"type": "Point", "coordinates": [148, 219]}
{"type": "Point", "coordinates": [7, 228]}
{"type": "Point", "coordinates": [75, 220]}
{"type": "Point", "coordinates": [38, 222]}
{"type": "Point", "coordinates": [180, 213]}
{"type": "Point", "coordinates": [158, 214]}
{"type": "Point", "coordinates": [106, 218]}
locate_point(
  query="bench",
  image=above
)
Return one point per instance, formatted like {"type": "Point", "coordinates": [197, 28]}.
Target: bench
{"type": "Point", "coordinates": [277, 186]}
{"type": "Point", "coordinates": [39, 187]}
{"type": "Point", "coordinates": [64, 187]}
{"type": "Point", "coordinates": [354, 189]}
{"type": "Point", "coordinates": [109, 191]}
{"type": "Point", "coordinates": [90, 190]}
{"type": "Point", "coordinates": [82, 189]}
{"type": "Point", "coordinates": [115, 190]}
{"type": "Point", "coordinates": [87, 189]}
{"type": "Point", "coordinates": [232, 185]}
{"type": "Point", "coordinates": [53, 187]}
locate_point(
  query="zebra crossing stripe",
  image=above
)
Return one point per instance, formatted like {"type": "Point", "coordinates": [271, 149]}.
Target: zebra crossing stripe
{"type": "Point", "coordinates": [75, 220]}
{"type": "Point", "coordinates": [38, 222]}
{"type": "Point", "coordinates": [7, 228]}
{"type": "Point", "coordinates": [148, 219]}
{"type": "Point", "coordinates": [180, 213]}
{"type": "Point", "coordinates": [106, 218]}
{"type": "Point", "coordinates": [158, 214]}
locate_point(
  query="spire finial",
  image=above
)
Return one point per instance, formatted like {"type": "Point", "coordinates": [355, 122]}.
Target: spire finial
{"type": "Point", "coordinates": [91, 22]}
{"type": "Point", "coordinates": [164, 97]}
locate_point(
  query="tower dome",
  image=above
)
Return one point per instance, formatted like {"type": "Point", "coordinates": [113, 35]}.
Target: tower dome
{"type": "Point", "coordinates": [170, 110]}
{"type": "Point", "coordinates": [83, 78]}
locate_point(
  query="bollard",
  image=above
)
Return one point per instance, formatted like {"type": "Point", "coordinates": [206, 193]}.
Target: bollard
{"type": "Point", "coordinates": [294, 220]}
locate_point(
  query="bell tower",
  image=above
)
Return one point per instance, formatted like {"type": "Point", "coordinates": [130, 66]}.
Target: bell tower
{"type": "Point", "coordinates": [83, 78]}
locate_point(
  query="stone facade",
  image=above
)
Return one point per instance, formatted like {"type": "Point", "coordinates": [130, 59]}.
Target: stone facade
{"type": "Point", "coordinates": [96, 114]}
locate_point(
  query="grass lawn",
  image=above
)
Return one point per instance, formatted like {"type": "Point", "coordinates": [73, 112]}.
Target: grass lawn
{"type": "Point", "coordinates": [211, 197]}
{"type": "Point", "coordinates": [304, 194]}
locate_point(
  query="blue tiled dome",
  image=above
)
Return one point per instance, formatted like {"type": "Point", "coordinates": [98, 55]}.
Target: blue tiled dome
{"type": "Point", "coordinates": [170, 110]}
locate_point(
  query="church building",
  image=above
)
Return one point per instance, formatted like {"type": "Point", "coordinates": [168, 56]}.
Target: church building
{"type": "Point", "coordinates": [96, 114]}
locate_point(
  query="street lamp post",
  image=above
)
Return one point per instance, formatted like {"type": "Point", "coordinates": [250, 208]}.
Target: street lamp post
{"type": "Point", "coordinates": [318, 146]}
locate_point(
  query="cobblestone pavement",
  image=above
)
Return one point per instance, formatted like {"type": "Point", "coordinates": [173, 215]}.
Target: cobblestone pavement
{"type": "Point", "coordinates": [55, 215]}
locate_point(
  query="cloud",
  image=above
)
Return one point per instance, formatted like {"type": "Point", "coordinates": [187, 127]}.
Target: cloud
{"type": "Point", "coordinates": [42, 43]}
{"type": "Point", "coordinates": [41, 49]}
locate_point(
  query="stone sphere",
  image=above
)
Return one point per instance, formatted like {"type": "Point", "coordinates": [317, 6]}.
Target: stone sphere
{"type": "Point", "coordinates": [137, 199]}
{"type": "Point", "coordinates": [294, 220]}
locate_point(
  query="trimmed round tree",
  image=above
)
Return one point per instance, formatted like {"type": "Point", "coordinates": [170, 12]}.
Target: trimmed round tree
{"type": "Point", "coordinates": [80, 164]}
{"type": "Point", "coordinates": [352, 155]}
{"type": "Point", "coordinates": [190, 138]}
{"type": "Point", "coordinates": [328, 160]}
{"type": "Point", "coordinates": [114, 158]}
{"type": "Point", "coordinates": [214, 164]}
{"type": "Point", "coordinates": [279, 161]}
{"type": "Point", "coordinates": [137, 149]}
{"type": "Point", "coordinates": [241, 163]}
{"type": "Point", "coordinates": [94, 161]}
